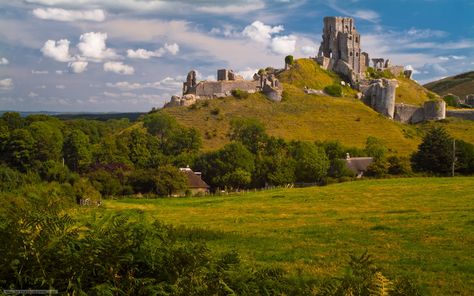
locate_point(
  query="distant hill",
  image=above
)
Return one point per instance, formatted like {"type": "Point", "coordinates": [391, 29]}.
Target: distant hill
{"type": "Point", "coordinates": [460, 85]}
{"type": "Point", "coordinates": [310, 117]}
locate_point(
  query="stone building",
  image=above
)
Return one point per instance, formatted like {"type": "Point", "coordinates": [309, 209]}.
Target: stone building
{"type": "Point", "coordinates": [227, 81]}
{"type": "Point", "coordinates": [340, 49]}
{"type": "Point", "coordinates": [196, 184]}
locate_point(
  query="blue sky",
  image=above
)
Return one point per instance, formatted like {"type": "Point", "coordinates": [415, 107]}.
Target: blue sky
{"type": "Point", "coordinates": [132, 55]}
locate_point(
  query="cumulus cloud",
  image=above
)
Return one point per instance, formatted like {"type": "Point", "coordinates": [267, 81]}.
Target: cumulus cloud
{"type": "Point", "coordinates": [6, 84]}
{"type": "Point", "coordinates": [63, 15]}
{"type": "Point", "coordinates": [309, 50]}
{"type": "Point", "coordinates": [4, 61]}
{"type": "Point", "coordinates": [283, 45]}
{"type": "Point", "coordinates": [92, 45]}
{"type": "Point", "coordinates": [119, 68]}
{"type": "Point", "coordinates": [78, 66]}
{"type": "Point", "coordinates": [260, 32]}
{"type": "Point", "coordinates": [58, 51]}
{"type": "Point", "coordinates": [146, 54]}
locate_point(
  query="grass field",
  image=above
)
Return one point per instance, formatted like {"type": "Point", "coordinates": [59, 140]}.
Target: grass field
{"type": "Point", "coordinates": [419, 227]}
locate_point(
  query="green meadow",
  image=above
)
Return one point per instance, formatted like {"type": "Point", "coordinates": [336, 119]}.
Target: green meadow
{"type": "Point", "coordinates": [422, 228]}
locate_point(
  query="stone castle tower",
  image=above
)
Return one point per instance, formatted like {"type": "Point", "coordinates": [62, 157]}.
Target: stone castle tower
{"type": "Point", "coordinates": [340, 48]}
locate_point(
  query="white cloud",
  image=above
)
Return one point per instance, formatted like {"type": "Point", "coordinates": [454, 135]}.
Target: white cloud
{"type": "Point", "coordinates": [60, 86]}
{"type": "Point", "coordinates": [141, 54]}
{"type": "Point", "coordinates": [32, 94]}
{"type": "Point", "coordinates": [39, 72]}
{"type": "Point", "coordinates": [6, 84]}
{"type": "Point", "coordinates": [4, 61]}
{"type": "Point", "coordinates": [425, 33]}
{"type": "Point", "coordinates": [168, 83]}
{"type": "Point", "coordinates": [58, 51]}
{"type": "Point", "coordinates": [119, 68]}
{"type": "Point", "coordinates": [309, 50]}
{"type": "Point", "coordinates": [78, 66]}
{"type": "Point", "coordinates": [260, 32]}
{"type": "Point", "coordinates": [247, 73]}
{"type": "Point", "coordinates": [172, 48]}
{"type": "Point", "coordinates": [63, 15]}
{"type": "Point", "coordinates": [368, 15]}
{"type": "Point", "coordinates": [146, 54]}
{"type": "Point", "coordinates": [92, 46]}
{"type": "Point", "coordinates": [232, 9]}
{"type": "Point", "coordinates": [283, 45]}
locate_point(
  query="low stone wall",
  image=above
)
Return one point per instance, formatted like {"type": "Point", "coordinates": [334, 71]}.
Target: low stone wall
{"type": "Point", "coordinates": [463, 114]}
{"type": "Point", "coordinates": [409, 113]}
{"type": "Point", "coordinates": [210, 88]}
{"type": "Point", "coordinates": [431, 110]}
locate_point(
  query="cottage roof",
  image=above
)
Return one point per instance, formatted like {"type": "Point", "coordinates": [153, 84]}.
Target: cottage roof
{"type": "Point", "coordinates": [194, 180]}
{"type": "Point", "coordinates": [358, 164]}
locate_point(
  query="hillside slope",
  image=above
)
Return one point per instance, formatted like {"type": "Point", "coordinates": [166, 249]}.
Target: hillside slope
{"type": "Point", "coordinates": [310, 117]}
{"type": "Point", "coordinates": [460, 85]}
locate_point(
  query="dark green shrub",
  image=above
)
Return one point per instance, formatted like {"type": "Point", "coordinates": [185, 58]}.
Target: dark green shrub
{"type": "Point", "coordinates": [334, 90]}
{"type": "Point", "coordinates": [215, 111]}
{"type": "Point", "coordinates": [451, 100]}
{"type": "Point", "coordinates": [399, 165]}
{"type": "Point", "coordinates": [240, 94]}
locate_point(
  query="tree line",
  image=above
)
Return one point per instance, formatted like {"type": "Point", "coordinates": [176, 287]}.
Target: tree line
{"type": "Point", "coordinates": [117, 157]}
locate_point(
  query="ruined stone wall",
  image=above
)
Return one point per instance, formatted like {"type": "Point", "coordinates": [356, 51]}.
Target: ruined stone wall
{"type": "Point", "coordinates": [431, 110]}
{"type": "Point", "coordinates": [409, 113]}
{"type": "Point", "coordinates": [380, 96]}
{"type": "Point", "coordinates": [463, 114]}
{"type": "Point", "coordinates": [214, 88]}
{"type": "Point", "coordinates": [435, 110]}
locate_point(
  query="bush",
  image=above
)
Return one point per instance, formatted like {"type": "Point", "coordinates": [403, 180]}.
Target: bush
{"type": "Point", "coordinates": [399, 165]}
{"type": "Point", "coordinates": [377, 169]}
{"type": "Point", "coordinates": [334, 90]}
{"type": "Point", "coordinates": [451, 100]}
{"type": "Point", "coordinates": [240, 94]}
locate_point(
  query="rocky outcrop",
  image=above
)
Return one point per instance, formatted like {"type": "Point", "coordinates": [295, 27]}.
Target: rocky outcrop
{"type": "Point", "coordinates": [186, 100]}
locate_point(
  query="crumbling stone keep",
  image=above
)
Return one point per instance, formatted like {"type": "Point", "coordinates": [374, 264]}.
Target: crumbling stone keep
{"type": "Point", "coordinates": [340, 49]}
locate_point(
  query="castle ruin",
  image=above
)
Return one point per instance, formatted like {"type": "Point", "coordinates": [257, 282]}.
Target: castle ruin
{"type": "Point", "coordinates": [340, 49]}
{"type": "Point", "coordinates": [227, 81]}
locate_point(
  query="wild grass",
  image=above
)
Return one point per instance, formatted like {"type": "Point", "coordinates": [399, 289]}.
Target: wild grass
{"type": "Point", "coordinates": [310, 117]}
{"type": "Point", "coordinates": [421, 227]}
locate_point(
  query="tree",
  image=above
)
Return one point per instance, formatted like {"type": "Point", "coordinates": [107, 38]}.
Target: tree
{"type": "Point", "coordinates": [399, 165]}
{"type": "Point", "coordinates": [464, 157]}
{"type": "Point", "coordinates": [217, 166]}
{"type": "Point", "coordinates": [19, 151]}
{"type": "Point", "coordinates": [48, 141]}
{"type": "Point", "coordinates": [375, 148]}
{"type": "Point", "coordinates": [249, 132]}
{"type": "Point", "coordinates": [13, 120]}
{"type": "Point", "coordinates": [435, 153]}
{"type": "Point", "coordinates": [312, 163]}
{"type": "Point", "coordinates": [77, 154]}
{"type": "Point", "coordinates": [173, 139]}
{"type": "Point", "coordinates": [289, 60]}
{"type": "Point", "coordinates": [169, 180]}
{"type": "Point", "coordinates": [139, 153]}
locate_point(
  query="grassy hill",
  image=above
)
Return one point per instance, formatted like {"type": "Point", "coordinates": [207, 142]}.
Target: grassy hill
{"type": "Point", "coordinates": [460, 85]}
{"type": "Point", "coordinates": [420, 227]}
{"type": "Point", "coordinates": [310, 117]}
